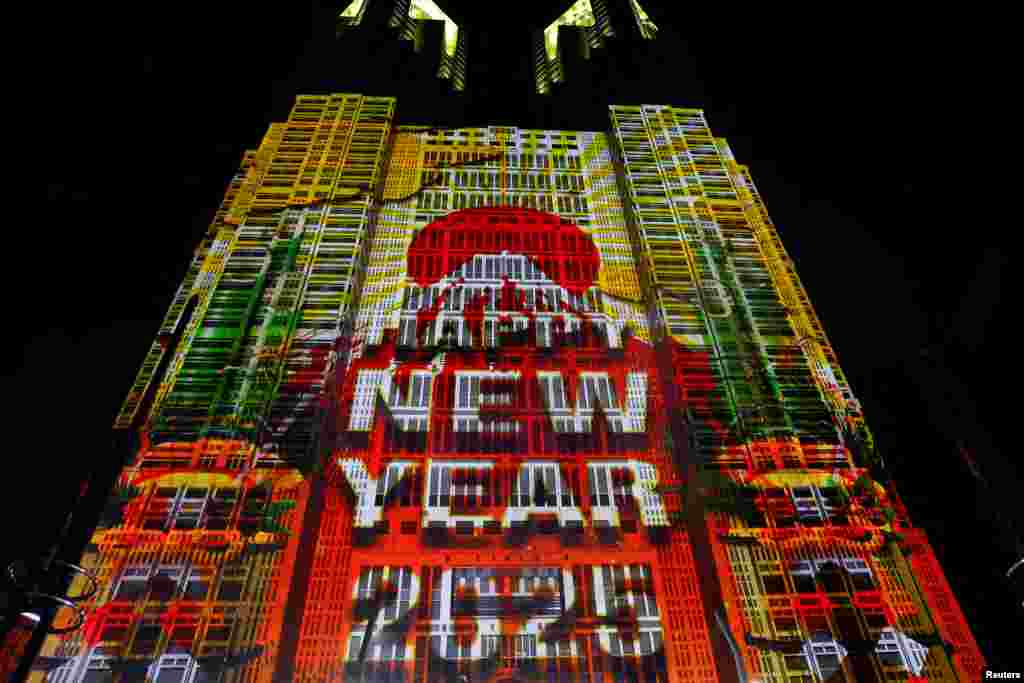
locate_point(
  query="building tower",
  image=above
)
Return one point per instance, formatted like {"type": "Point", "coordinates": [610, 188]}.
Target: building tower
{"type": "Point", "coordinates": [498, 404]}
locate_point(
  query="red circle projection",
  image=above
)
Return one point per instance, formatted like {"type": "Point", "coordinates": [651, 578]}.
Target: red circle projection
{"type": "Point", "coordinates": [557, 246]}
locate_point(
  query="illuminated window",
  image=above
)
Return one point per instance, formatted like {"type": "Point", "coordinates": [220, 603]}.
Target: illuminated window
{"type": "Point", "coordinates": [623, 589]}
{"type": "Point", "coordinates": [133, 584]}
{"type": "Point", "coordinates": [146, 638]}
{"type": "Point", "coordinates": [785, 624]}
{"type": "Point", "coordinates": [812, 508]}
{"type": "Point", "coordinates": [827, 658]}
{"type": "Point", "coordinates": [541, 485]}
{"type": "Point", "coordinates": [418, 395]}
{"type": "Point", "coordinates": [98, 676]}
{"type": "Point", "coordinates": [803, 577]}
{"type": "Point", "coordinates": [859, 573]}
{"type": "Point", "coordinates": [164, 582]}
{"type": "Point", "coordinates": [172, 669]}
{"type": "Point", "coordinates": [774, 584]}
{"type": "Point", "coordinates": [190, 508]}
{"type": "Point", "coordinates": [175, 509]}
{"type": "Point", "coordinates": [197, 586]}
{"type": "Point", "coordinates": [220, 509]}
{"type": "Point", "coordinates": [232, 584]}
{"type": "Point", "coordinates": [219, 634]}
{"type": "Point", "coordinates": [898, 652]}
{"type": "Point", "coordinates": [439, 486]}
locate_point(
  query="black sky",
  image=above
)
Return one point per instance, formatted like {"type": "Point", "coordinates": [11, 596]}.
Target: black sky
{"type": "Point", "coordinates": [869, 129]}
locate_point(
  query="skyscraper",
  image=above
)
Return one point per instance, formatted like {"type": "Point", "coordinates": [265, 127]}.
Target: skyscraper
{"type": "Point", "coordinates": [499, 404]}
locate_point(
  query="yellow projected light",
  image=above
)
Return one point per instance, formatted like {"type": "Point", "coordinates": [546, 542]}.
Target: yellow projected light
{"type": "Point", "coordinates": [647, 27]}
{"type": "Point", "coordinates": [580, 14]}
{"type": "Point", "coordinates": [354, 9]}
{"type": "Point", "coordinates": [426, 9]}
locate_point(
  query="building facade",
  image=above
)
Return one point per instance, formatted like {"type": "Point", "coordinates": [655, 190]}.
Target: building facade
{"type": "Point", "coordinates": [499, 404]}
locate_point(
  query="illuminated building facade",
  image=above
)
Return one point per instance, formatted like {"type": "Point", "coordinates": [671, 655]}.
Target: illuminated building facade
{"type": "Point", "coordinates": [585, 26]}
{"type": "Point", "coordinates": [499, 404]}
{"type": "Point", "coordinates": [590, 24]}
{"type": "Point", "coordinates": [414, 21]}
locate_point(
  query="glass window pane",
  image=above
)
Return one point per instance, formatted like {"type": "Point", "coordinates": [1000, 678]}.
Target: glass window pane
{"type": "Point", "coordinates": [175, 675]}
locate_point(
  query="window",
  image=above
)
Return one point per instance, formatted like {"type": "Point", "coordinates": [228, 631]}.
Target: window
{"type": "Point", "coordinates": [611, 484]}
{"type": "Point", "coordinates": [134, 584]}
{"type": "Point", "coordinates": [774, 584]}
{"type": "Point", "coordinates": [859, 573]}
{"type": "Point", "coordinates": [197, 586]}
{"type": "Point", "coordinates": [827, 656]}
{"type": "Point", "coordinates": [525, 647]}
{"type": "Point", "coordinates": [177, 509]}
{"type": "Point", "coordinates": [619, 589]}
{"type": "Point", "coordinates": [818, 627]}
{"type": "Point", "coordinates": [439, 486]}
{"type": "Point", "coordinates": [419, 391]}
{"type": "Point", "coordinates": [542, 487]}
{"type": "Point", "coordinates": [830, 576]}
{"type": "Point", "coordinates": [897, 652]}
{"type": "Point", "coordinates": [803, 577]}
{"type": "Point", "coordinates": [220, 509]}
{"type": "Point", "coordinates": [875, 620]}
{"type": "Point", "coordinates": [172, 675]}
{"type": "Point", "coordinates": [219, 633]}
{"type": "Point", "coordinates": [232, 585]}
{"type": "Point", "coordinates": [355, 647]}
{"type": "Point", "coordinates": [386, 589]}
{"type": "Point", "coordinates": [159, 508]}
{"type": "Point", "coordinates": [467, 391]}
{"type": "Point", "coordinates": [544, 341]}
{"type": "Point", "coordinates": [812, 506]}
{"type": "Point", "coordinates": [164, 583]}
{"type": "Point", "coordinates": [599, 482]}
{"type": "Point", "coordinates": [551, 384]}
{"type": "Point", "coordinates": [253, 508]}
{"type": "Point", "coordinates": [171, 669]}
{"type": "Point", "coordinates": [407, 333]}
{"type": "Point", "coordinates": [785, 624]}
{"type": "Point", "coordinates": [402, 578]}
{"type": "Point", "coordinates": [98, 676]}
{"type": "Point", "coordinates": [146, 639]}
{"type": "Point", "coordinates": [797, 663]}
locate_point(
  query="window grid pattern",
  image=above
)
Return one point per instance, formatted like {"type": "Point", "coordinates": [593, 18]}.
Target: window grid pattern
{"type": "Point", "coordinates": [554, 459]}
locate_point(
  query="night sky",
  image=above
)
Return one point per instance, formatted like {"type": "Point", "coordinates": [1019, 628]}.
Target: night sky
{"type": "Point", "coordinates": [867, 129]}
